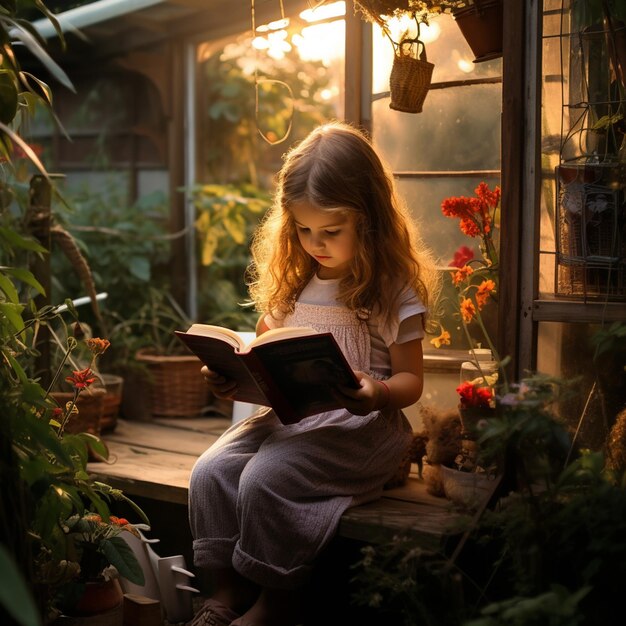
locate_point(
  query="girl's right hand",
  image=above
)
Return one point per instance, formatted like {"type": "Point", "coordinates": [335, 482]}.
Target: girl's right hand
{"type": "Point", "coordinates": [220, 386]}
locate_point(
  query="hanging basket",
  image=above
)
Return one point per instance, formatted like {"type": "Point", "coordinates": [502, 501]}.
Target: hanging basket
{"type": "Point", "coordinates": [481, 25]}
{"type": "Point", "coordinates": [410, 79]}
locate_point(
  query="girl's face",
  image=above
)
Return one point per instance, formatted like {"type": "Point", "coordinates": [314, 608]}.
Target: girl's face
{"type": "Point", "coordinates": [329, 237]}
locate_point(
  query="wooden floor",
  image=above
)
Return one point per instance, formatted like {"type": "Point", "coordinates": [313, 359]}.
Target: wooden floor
{"type": "Point", "coordinates": [154, 460]}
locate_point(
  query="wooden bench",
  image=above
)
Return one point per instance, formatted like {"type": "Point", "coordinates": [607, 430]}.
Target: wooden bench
{"type": "Point", "coordinates": [154, 460]}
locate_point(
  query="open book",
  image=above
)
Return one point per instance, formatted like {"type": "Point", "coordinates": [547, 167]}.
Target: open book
{"type": "Point", "coordinates": [292, 370]}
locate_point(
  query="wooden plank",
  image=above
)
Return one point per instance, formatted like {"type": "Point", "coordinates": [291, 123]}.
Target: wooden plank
{"type": "Point", "coordinates": [154, 461]}
{"type": "Point", "coordinates": [160, 436]}
{"type": "Point", "coordinates": [145, 472]}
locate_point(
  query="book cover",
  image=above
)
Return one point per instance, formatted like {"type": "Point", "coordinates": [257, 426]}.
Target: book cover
{"type": "Point", "coordinates": [291, 370]}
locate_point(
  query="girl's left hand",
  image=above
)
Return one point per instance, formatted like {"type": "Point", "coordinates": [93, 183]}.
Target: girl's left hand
{"type": "Point", "coordinates": [370, 397]}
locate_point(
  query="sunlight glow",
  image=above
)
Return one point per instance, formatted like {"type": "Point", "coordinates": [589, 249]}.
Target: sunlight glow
{"type": "Point", "coordinates": [276, 25]}
{"type": "Point", "coordinates": [405, 25]}
{"type": "Point", "coordinates": [324, 12]}
{"type": "Point", "coordinates": [321, 42]}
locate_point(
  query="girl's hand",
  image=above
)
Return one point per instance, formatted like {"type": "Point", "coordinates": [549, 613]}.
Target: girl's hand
{"type": "Point", "coordinates": [220, 386]}
{"type": "Point", "coordinates": [372, 396]}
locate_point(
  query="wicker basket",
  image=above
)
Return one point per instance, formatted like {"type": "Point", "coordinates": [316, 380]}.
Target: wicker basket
{"type": "Point", "coordinates": [591, 235]}
{"type": "Point", "coordinates": [112, 400]}
{"type": "Point", "coordinates": [409, 81]}
{"type": "Point", "coordinates": [177, 389]}
{"type": "Point", "coordinates": [90, 405]}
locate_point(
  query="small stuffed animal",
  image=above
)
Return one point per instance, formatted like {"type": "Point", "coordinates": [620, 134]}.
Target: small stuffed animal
{"type": "Point", "coordinates": [443, 431]}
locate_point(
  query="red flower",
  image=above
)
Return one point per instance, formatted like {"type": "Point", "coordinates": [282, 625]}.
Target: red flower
{"type": "Point", "coordinates": [474, 213]}
{"type": "Point", "coordinates": [81, 379]}
{"type": "Point", "coordinates": [462, 256]}
{"type": "Point", "coordinates": [474, 396]}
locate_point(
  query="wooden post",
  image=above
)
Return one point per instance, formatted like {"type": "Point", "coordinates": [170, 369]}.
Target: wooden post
{"type": "Point", "coordinates": [40, 194]}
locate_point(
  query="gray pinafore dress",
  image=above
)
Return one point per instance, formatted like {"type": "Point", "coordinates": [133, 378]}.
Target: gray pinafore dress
{"type": "Point", "coordinates": [266, 497]}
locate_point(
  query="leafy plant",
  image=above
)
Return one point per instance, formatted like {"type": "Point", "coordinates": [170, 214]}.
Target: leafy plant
{"type": "Point", "coordinates": [552, 550]}
{"type": "Point", "coordinates": [126, 245]}
{"type": "Point", "coordinates": [226, 216]}
{"type": "Point", "coordinates": [43, 474]}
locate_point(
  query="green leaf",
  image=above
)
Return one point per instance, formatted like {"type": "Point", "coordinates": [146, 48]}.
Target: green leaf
{"type": "Point", "coordinates": [15, 596]}
{"type": "Point", "coordinates": [9, 289]}
{"type": "Point", "coordinates": [26, 277]}
{"type": "Point", "coordinates": [122, 557]}
{"type": "Point", "coordinates": [8, 98]}
{"type": "Point", "coordinates": [15, 240]}
{"type": "Point", "coordinates": [13, 312]}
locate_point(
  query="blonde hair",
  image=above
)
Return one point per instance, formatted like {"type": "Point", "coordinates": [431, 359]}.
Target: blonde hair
{"type": "Point", "coordinates": [336, 168]}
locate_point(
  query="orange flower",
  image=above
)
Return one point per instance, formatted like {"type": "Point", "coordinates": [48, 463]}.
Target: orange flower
{"type": "Point", "coordinates": [81, 379]}
{"type": "Point", "coordinates": [98, 346]}
{"type": "Point", "coordinates": [442, 340]}
{"type": "Point", "coordinates": [468, 310]}
{"type": "Point", "coordinates": [485, 288]}
{"type": "Point", "coordinates": [460, 275]}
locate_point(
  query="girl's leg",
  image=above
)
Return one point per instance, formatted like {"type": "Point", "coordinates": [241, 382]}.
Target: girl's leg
{"type": "Point", "coordinates": [233, 590]}
{"type": "Point", "coordinates": [274, 607]}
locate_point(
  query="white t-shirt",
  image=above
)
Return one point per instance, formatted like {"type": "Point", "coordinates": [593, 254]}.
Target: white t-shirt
{"type": "Point", "coordinates": [407, 324]}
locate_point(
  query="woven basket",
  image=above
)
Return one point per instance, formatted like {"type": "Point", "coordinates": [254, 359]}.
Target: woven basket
{"type": "Point", "coordinates": [114, 386]}
{"type": "Point", "coordinates": [409, 81]}
{"type": "Point", "coordinates": [177, 389]}
{"type": "Point", "coordinates": [90, 405]}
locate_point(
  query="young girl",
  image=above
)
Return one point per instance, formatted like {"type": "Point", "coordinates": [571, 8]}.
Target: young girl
{"type": "Point", "coordinates": [336, 252]}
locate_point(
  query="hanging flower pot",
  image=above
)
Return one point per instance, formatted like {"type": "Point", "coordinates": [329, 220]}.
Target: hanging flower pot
{"type": "Point", "coordinates": [410, 77]}
{"type": "Point", "coordinates": [481, 25]}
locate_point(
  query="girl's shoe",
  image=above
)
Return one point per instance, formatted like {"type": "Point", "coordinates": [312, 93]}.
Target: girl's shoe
{"type": "Point", "coordinates": [213, 613]}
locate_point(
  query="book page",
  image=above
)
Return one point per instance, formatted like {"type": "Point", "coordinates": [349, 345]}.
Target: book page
{"type": "Point", "coordinates": [219, 332]}
{"type": "Point", "coordinates": [276, 334]}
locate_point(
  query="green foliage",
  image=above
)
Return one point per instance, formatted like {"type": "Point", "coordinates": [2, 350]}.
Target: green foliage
{"type": "Point", "coordinates": [43, 475]}
{"type": "Point", "coordinates": [126, 245]}
{"type": "Point", "coordinates": [226, 216]}
{"type": "Point", "coordinates": [552, 550]}
{"type": "Point", "coordinates": [233, 121]}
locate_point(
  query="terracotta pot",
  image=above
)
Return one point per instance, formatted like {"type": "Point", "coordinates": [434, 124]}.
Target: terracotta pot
{"type": "Point", "coordinates": [481, 25]}
{"type": "Point", "coordinates": [101, 604]}
{"type": "Point", "coordinates": [100, 597]}
{"type": "Point", "coordinates": [114, 386]}
{"type": "Point", "coordinates": [90, 406]}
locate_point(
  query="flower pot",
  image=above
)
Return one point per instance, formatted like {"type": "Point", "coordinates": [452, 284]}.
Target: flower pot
{"type": "Point", "coordinates": [481, 25]}
{"type": "Point", "coordinates": [90, 405]}
{"type": "Point", "coordinates": [100, 605]}
{"type": "Point", "coordinates": [114, 386]}
{"type": "Point", "coordinates": [469, 490]}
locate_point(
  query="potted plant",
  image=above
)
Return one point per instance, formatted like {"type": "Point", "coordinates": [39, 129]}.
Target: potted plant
{"type": "Point", "coordinates": [99, 556]}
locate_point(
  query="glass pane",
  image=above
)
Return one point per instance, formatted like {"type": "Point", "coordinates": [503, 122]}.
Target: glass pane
{"type": "Point", "coordinates": [255, 98]}
{"type": "Point", "coordinates": [453, 132]}
{"type": "Point", "coordinates": [583, 239]}
{"type": "Point", "coordinates": [570, 352]}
